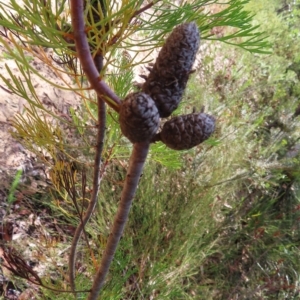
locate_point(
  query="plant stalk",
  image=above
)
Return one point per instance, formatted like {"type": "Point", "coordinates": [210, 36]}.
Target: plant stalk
{"type": "Point", "coordinates": [86, 59]}
{"type": "Point", "coordinates": [136, 164]}
{"type": "Point", "coordinates": [94, 196]}
{"type": "Point", "coordinates": [96, 181]}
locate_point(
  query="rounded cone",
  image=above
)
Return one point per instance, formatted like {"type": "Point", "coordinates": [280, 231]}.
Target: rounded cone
{"type": "Point", "coordinates": [139, 117]}
{"type": "Point", "coordinates": [169, 75]}
{"type": "Point", "coordinates": [187, 131]}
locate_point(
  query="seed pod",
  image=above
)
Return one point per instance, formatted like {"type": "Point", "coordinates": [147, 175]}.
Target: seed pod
{"type": "Point", "coordinates": [139, 117]}
{"type": "Point", "coordinates": [187, 131]}
{"type": "Point", "coordinates": [169, 75]}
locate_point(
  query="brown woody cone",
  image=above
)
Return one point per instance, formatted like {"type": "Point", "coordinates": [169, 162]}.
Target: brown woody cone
{"type": "Point", "coordinates": [167, 80]}
{"type": "Point", "coordinates": [187, 131]}
{"type": "Point", "coordinates": [139, 117]}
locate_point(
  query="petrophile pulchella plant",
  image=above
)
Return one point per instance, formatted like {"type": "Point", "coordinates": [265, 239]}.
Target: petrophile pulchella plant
{"type": "Point", "coordinates": [87, 38]}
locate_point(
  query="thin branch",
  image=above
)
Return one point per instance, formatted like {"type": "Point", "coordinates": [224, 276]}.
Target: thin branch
{"type": "Point", "coordinates": [149, 5]}
{"type": "Point", "coordinates": [136, 164]}
{"type": "Point", "coordinates": [138, 12]}
{"type": "Point", "coordinates": [86, 59]}
{"type": "Point", "coordinates": [135, 14]}
{"type": "Point", "coordinates": [137, 160]}
{"type": "Point", "coordinates": [96, 179]}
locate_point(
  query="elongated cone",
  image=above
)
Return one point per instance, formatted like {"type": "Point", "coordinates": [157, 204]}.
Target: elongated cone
{"type": "Point", "coordinates": [170, 73]}
{"type": "Point", "coordinates": [187, 131]}
{"type": "Point", "coordinates": [139, 117]}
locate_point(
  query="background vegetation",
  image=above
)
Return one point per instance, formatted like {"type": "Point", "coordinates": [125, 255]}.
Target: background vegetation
{"type": "Point", "coordinates": [220, 221]}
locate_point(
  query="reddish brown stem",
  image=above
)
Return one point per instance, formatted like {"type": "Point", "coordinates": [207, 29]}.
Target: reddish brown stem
{"type": "Point", "coordinates": [94, 197]}
{"type": "Point", "coordinates": [135, 14]}
{"type": "Point", "coordinates": [136, 164]}
{"type": "Point", "coordinates": [96, 181]}
{"type": "Point", "coordinates": [86, 59]}
{"type": "Point", "coordinates": [149, 5]}
{"type": "Point", "coordinates": [138, 12]}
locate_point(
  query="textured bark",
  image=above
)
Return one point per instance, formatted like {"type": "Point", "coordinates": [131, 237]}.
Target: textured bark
{"type": "Point", "coordinates": [139, 117]}
{"type": "Point", "coordinates": [168, 78]}
{"type": "Point", "coordinates": [187, 131]}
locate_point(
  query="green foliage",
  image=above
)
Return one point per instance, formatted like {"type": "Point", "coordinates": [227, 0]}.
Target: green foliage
{"type": "Point", "coordinates": [14, 186]}
{"type": "Point", "coordinates": [216, 222]}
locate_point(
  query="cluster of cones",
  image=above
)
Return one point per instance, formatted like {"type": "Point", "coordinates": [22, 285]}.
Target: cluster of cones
{"type": "Point", "coordinates": [161, 94]}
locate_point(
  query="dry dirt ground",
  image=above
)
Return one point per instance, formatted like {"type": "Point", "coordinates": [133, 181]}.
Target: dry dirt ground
{"type": "Point", "coordinates": [21, 222]}
{"type": "Point", "coordinates": [18, 221]}
{"type": "Point", "coordinates": [13, 156]}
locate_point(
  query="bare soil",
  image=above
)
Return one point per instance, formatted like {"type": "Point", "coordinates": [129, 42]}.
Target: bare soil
{"type": "Point", "coordinates": [22, 221]}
